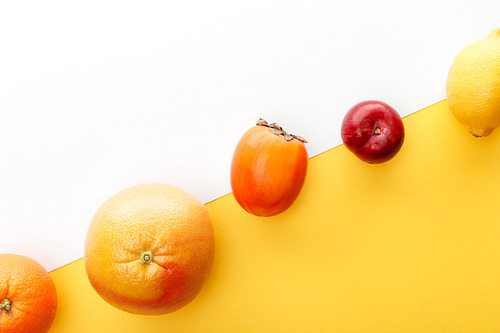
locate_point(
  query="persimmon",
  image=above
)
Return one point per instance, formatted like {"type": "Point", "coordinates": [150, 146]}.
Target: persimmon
{"type": "Point", "coordinates": [268, 169]}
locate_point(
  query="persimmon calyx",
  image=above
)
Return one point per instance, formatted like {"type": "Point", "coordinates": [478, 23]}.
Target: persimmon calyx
{"type": "Point", "coordinates": [146, 257]}
{"type": "Point", "coordinates": [278, 130]}
{"type": "Point", "coordinates": [6, 305]}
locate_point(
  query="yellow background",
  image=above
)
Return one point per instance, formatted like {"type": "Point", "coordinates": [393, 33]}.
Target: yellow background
{"type": "Point", "coordinates": [411, 245]}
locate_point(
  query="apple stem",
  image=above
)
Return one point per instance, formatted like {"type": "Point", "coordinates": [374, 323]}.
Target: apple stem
{"type": "Point", "coordinates": [278, 130]}
{"type": "Point", "coordinates": [377, 131]}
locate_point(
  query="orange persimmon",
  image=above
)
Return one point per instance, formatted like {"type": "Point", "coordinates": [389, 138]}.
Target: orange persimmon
{"type": "Point", "coordinates": [268, 169]}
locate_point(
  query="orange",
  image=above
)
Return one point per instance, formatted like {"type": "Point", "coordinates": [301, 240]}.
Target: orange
{"type": "Point", "coordinates": [28, 297]}
{"type": "Point", "coordinates": [149, 249]}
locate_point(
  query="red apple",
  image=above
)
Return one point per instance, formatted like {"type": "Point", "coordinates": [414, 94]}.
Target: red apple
{"type": "Point", "coordinates": [373, 131]}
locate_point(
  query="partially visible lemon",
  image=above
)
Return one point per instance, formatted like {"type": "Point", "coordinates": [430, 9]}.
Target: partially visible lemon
{"type": "Point", "coordinates": [473, 85]}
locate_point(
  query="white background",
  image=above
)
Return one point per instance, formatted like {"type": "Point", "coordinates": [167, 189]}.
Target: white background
{"type": "Point", "coordinates": [96, 96]}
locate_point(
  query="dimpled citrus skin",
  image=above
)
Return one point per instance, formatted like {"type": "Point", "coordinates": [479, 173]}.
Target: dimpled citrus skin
{"type": "Point", "coordinates": [28, 296]}
{"type": "Point", "coordinates": [151, 221]}
{"type": "Point", "coordinates": [473, 85]}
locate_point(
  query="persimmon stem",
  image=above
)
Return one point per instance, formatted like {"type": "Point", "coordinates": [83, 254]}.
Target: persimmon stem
{"type": "Point", "coordinates": [278, 130]}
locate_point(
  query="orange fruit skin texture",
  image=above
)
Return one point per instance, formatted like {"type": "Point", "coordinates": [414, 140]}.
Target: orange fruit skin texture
{"type": "Point", "coordinates": [267, 171]}
{"type": "Point", "coordinates": [164, 219]}
{"type": "Point", "coordinates": [32, 293]}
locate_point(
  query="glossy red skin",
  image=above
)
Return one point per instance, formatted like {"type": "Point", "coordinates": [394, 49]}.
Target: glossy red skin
{"type": "Point", "coordinates": [267, 171]}
{"type": "Point", "coordinates": [360, 131]}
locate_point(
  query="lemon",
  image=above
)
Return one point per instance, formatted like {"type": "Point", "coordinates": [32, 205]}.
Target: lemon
{"type": "Point", "coordinates": [473, 85]}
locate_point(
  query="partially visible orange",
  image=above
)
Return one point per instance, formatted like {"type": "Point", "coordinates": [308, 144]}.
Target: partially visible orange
{"type": "Point", "coordinates": [28, 297]}
{"type": "Point", "coordinates": [149, 249]}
